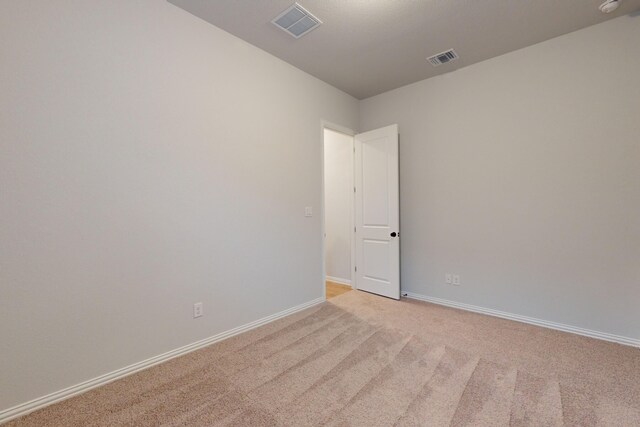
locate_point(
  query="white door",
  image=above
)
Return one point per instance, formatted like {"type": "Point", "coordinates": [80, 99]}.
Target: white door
{"type": "Point", "coordinates": [377, 212]}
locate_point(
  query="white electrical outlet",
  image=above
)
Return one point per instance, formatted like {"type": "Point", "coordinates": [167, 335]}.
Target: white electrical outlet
{"type": "Point", "coordinates": [198, 310]}
{"type": "Point", "coordinates": [448, 279]}
{"type": "Point", "coordinates": [456, 280]}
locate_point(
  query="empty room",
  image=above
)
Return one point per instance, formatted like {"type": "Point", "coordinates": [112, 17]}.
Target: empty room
{"type": "Point", "coordinates": [322, 213]}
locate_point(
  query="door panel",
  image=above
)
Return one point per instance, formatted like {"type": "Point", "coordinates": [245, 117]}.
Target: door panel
{"type": "Point", "coordinates": [375, 183]}
{"type": "Point", "coordinates": [376, 259]}
{"type": "Point", "coordinates": [377, 212]}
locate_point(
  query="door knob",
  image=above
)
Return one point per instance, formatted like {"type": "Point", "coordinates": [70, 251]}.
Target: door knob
{"type": "Point", "coordinates": [394, 234]}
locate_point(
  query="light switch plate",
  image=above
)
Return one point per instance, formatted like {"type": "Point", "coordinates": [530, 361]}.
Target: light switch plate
{"type": "Point", "coordinates": [456, 280]}
{"type": "Point", "coordinates": [198, 310]}
{"type": "Point", "coordinates": [308, 211]}
{"type": "Point", "coordinates": [448, 279]}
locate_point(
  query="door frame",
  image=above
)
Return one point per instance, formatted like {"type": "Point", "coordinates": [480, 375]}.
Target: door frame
{"type": "Point", "coordinates": [325, 124]}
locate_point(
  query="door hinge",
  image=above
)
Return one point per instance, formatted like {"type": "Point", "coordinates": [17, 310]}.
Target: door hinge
{"type": "Point", "coordinates": [354, 189]}
{"type": "Point", "coordinates": [356, 268]}
{"type": "Point", "coordinates": [354, 229]}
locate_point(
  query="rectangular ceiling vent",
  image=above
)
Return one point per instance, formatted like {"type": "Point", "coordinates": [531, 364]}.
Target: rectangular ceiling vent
{"type": "Point", "coordinates": [296, 20]}
{"type": "Point", "coordinates": [443, 58]}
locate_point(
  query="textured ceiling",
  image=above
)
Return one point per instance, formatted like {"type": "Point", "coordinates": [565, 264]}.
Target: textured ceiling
{"type": "Point", "coordinates": [366, 47]}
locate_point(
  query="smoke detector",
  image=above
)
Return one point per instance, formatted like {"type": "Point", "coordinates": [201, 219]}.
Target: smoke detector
{"type": "Point", "coordinates": [296, 21]}
{"type": "Point", "coordinates": [443, 57]}
{"type": "Point", "coordinates": [609, 6]}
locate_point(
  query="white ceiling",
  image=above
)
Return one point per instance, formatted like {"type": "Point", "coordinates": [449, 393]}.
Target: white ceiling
{"type": "Point", "coordinates": [366, 47]}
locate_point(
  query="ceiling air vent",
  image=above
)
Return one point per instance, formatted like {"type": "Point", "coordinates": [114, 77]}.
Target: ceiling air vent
{"type": "Point", "coordinates": [443, 58]}
{"type": "Point", "coordinates": [296, 20]}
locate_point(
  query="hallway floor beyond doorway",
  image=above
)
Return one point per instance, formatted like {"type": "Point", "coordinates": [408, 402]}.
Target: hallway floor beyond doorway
{"type": "Point", "coordinates": [334, 289]}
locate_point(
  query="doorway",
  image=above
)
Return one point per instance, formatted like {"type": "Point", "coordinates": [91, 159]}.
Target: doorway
{"type": "Point", "coordinates": [361, 211]}
{"type": "Point", "coordinates": [338, 211]}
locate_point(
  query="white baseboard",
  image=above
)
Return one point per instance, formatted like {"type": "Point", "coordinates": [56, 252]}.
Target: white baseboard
{"type": "Point", "coordinates": [339, 280]}
{"type": "Point", "coordinates": [634, 342]}
{"type": "Point", "coordinates": [41, 402]}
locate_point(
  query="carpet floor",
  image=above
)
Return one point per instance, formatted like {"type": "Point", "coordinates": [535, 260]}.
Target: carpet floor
{"type": "Point", "coordinates": [363, 360]}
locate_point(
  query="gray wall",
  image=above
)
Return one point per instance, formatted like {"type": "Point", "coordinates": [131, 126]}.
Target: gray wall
{"type": "Point", "coordinates": [338, 203]}
{"type": "Point", "coordinates": [148, 160]}
{"type": "Point", "coordinates": [522, 174]}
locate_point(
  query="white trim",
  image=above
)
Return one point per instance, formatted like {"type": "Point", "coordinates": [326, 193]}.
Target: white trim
{"type": "Point", "coordinates": [634, 342]}
{"type": "Point", "coordinates": [339, 280]}
{"type": "Point", "coordinates": [335, 127]}
{"type": "Point", "coordinates": [41, 402]}
{"type": "Point", "coordinates": [352, 264]}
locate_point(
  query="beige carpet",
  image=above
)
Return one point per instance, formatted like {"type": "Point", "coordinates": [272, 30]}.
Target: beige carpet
{"type": "Point", "coordinates": [363, 360]}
